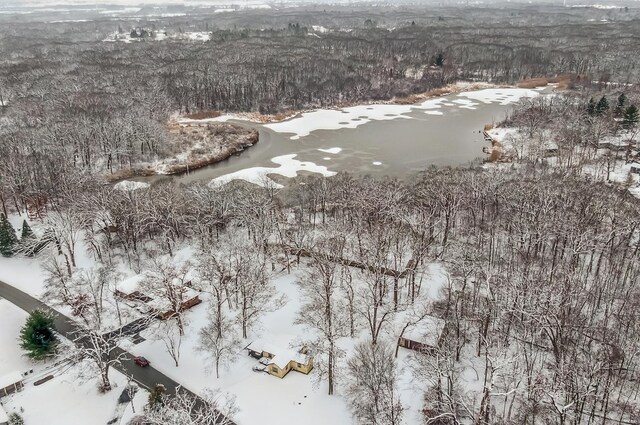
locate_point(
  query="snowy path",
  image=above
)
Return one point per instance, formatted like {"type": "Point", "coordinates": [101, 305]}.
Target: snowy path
{"type": "Point", "coordinates": [146, 377]}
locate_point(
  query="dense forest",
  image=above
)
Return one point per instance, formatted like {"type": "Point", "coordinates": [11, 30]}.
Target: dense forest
{"type": "Point", "coordinates": [542, 295]}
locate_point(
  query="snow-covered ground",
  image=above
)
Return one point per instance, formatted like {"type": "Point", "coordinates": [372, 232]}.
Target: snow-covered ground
{"type": "Point", "coordinates": [160, 35]}
{"type": "Point", "coordinates": [266, 399]}
{"type": "Point", "coordinates": [518, 146]}
{"type": "Point", "coordinates": [67, 399]}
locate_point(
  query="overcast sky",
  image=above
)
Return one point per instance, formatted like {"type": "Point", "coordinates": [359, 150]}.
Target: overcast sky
{"type": "Point", "coordinates": [240, 2]}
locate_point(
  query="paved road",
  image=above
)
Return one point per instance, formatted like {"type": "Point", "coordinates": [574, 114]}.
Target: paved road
{"type": "Point", "coordinates": [147, 377]}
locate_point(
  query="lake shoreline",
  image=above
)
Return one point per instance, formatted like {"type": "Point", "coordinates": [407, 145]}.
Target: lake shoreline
{"type": "Point", "coordinates": [193, 164]}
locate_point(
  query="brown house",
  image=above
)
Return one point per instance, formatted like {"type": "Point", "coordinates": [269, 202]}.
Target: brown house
{"type": "Point", "coordinates": [128, 290]}
{"type": "Point", "coordinates": [165, 312]}
{"type": "Point", "coordinates": [11, 383]}
{"type": "Point", "coordinates": [424, 336]}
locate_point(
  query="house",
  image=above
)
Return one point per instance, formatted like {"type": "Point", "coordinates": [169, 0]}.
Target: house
{"type": "Point", "coordinates": [424, 336]}
{"type": "Point", "coordinates": [11, 383]}
{"type": "Point", "coordinates": [128, 290]}
{"type": "Point", "coordinates": [164, 310]}
{"type": "Point", "coordinates": [279, 361]}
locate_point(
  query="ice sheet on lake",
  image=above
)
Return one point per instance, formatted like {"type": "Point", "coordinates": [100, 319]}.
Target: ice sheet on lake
{"type": "Point", "coordinates": [355, 116]}
{"type": "Point", "coordinates": [504, 96]}
{"type": "Point", "coordinates": [288, 166]}
{"type": "Point", "coordinates": [334, 119]}
{"type": "Point", "coordinates": [331, 150]}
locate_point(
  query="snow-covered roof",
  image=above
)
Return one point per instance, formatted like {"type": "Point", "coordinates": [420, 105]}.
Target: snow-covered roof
{"type": "Point", "coordinates": [130, 284]}
{"type": "Point", "coordinates": [162, 304]}
{"type": "Point", "coordinates": [282, 355]}
{"type": "Point", "coordinates": [427, 331]}
{"type": "Point", "coordinates": [10, 379]}
{"type": "Point", "coordinates": [4, 418]}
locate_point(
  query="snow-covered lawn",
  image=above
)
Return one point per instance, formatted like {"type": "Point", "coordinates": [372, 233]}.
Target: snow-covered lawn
{"type": "Point", "coordinates": [297, 398]}
{"type": "Point", "coordinates": [67, 399]}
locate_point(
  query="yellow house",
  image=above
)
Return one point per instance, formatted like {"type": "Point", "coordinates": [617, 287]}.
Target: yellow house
{"type": "Point", "coordinates": [279, 361]}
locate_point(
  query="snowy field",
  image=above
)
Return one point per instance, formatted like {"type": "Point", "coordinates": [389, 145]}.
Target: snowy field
{"type": "Point", "coordinates": [70, 398]}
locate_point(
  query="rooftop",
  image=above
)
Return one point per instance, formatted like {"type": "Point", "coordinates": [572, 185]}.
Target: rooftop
{"type": "Point", "coordinates": [10, 379]}
{"type": "Point", "coordinates": [427, 331]}
{"type": "Point", "coordinates": [282, 353]}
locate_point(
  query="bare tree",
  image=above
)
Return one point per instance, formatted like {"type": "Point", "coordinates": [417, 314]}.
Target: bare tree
{"type": "Point", "coordinates": [187, 409]}
{"type": "Point", "coordinates": [372, 391]}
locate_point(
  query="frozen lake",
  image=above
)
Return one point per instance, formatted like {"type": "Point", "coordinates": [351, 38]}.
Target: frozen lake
{"type": "Point", "coordinates": [368, 139]}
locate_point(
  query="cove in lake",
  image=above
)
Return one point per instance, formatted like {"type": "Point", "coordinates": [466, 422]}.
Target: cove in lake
{"type": "Point", "coordinates": [407, 140]}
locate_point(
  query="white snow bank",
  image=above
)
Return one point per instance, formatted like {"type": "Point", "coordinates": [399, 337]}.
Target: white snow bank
{"type": "Point", "coordinates": [504, 96]}
{"type": "Point", "coordinates": [288, 167]}
{"type": "Point", "coordinates": [67, 399]}
{"type": "Point", "coordinates": [128, 185]}
{"type": "Point", "coordinates": [221, 118]}
{"type": "Point", "coordinates": [11, 356]}
{"type": "Point", "coordinates": [319, 28]}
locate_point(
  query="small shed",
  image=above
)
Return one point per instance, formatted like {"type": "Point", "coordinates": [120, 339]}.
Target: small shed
{"type": "Point", "coordinates": [635, 168]}
{"type": "Point", "coordinates": [11, 383]}
{"type": "Point", "coordinates": [425, 336]}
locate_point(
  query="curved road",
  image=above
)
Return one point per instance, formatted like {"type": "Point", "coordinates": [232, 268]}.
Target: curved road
{"type": "Point", "coordinates": [147, 377]}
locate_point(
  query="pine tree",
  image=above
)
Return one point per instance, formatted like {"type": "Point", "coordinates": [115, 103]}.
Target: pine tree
{"type": "Point", "coordinates": [156, 396]}
{"type": "Point", "coordinates": [591, 107]}
{"type": "Point", "coordinates": [26, 230]}
{"type": "Point", "coordinates": [440, 60]}
{"type": "Point", "coordinates": [631, 117]}
{"type": "Point", "coordinates": [619, 109]}
{"type": "Point", "coordinates": [27, 240]}
{"type": "Point", "coordinates": [37, 335]}
{"type": "Point", "coordinates": [15, 419]}
{"type": "Point", "coordinates": [8, 237]}
{"type": "Point", "coordinates": [602, 106]}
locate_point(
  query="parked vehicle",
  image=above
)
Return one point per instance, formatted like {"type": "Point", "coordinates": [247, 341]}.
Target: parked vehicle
{"type": "Point", "coordinates": [141, 361]}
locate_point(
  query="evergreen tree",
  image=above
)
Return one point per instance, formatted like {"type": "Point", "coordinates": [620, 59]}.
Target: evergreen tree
{"type": "Point", "coordinates": [591, 107]}
{"type": "Point", "coordinates": [37, 335]}
{"type": "Point", "coordinates": [15, 419]}
{"type": "Point", "coordinates": [602, 106]}
{"type": "Point", "coordinates": [631, 117]}
{"type": "Point", "coordinates": [26, 230]}
{"type": "Point", "coordinates": [619, 109]}
{"type": "Point", "coordinates": [8, 238]}
{"type": "Point", "coordinates": [156, 396]}
{"type": "Point", "coordinates": [440, 60]}
{"type": "Point", "coordinates": [27, 240]}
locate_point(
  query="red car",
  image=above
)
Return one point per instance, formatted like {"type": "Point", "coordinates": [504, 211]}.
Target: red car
{"type": "Point", "coordinates": [141, 361]}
